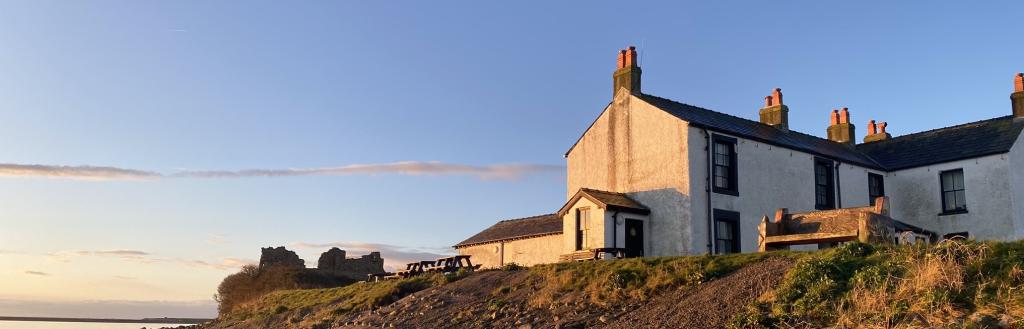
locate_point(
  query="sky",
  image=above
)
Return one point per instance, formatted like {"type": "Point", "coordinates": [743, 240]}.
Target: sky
{"type": "Point", "coordinates": [148, 149]}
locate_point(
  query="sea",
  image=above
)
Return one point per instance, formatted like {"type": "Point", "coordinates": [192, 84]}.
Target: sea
{"type": "Point", "coordinates": [80, 325]}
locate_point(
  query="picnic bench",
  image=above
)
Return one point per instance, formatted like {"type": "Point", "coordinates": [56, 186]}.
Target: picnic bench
{"type": "Point", "coordinates": [443, 265]}
{"type": "Point", "coordinates": [594, 254]}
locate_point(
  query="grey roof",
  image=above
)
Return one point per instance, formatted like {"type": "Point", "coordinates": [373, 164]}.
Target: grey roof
{"type": "Point", "coordinates": [970, 140]}
{"type": "Point", "coordinates": [754, 130]}
{"type": "Point", "coordinates": [607, 200]}
{"type": "Point", "coordinates": [516, 229]}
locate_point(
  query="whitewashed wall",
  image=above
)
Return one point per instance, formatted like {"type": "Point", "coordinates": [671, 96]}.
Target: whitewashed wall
{"type": "Point", "coordinates": [1016, 168]}
{"type": "Point", "coordinates": [595, 227]}
{"type": "Point", "coordinates": [527, 252]}
{"type": "Point", "coordinates": [769, 177]}
{"type": "Point", "coordinates": [916, 198]}
{"type": "Point", "coordinates": [638, 149]}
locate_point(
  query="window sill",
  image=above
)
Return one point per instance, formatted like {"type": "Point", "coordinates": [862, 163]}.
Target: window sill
{"type": "Point", "coordinates": [953, 212]}
{"type": "Point", "coordinates": [726, 192]}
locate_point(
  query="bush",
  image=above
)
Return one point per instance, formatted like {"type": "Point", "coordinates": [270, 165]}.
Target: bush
{"type": "Point", "coordinates": [251, 282]}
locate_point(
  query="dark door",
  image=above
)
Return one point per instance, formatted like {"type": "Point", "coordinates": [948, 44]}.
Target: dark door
{"type": "Point", "coordinates": [634, 238]}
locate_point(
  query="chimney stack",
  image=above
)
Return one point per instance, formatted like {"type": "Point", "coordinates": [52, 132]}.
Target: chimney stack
{"type": "Point", "coordinates": [775, 113]}
{"type": "Point", "coordinates": [627, 72]}
{"type": "Point", "coordinates": [840, 130]}
{"type": "Point", "coordinates": [876, 132]}
{"type": "Point", "coordinates": [1017, 97]}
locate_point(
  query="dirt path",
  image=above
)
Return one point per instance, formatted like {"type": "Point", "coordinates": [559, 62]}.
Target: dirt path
{"type": "Point", "coordinates": [470, 303]}
{"type": "Point", "coordinates": [710, 305]}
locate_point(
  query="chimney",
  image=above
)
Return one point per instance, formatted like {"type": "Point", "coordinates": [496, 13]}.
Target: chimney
{"type": "Point", "coordinates": [775, 113]}
{"type": "Point", "coordinates": [627, 73]}
{"type": "Point", "coordinates": [840, 130]}
{"type": "Point", "coordinates": [876, 132]}
{"type": "Point", "coordinates": [1017, 97]}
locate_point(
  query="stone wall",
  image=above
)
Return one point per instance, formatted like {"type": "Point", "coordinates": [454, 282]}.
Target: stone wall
{"type": "Point", "coordinates": [333, 262]}
{"type": "Point", "coordinates": [280, 256]}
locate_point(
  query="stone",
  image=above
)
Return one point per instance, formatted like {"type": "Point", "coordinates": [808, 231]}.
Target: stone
{"type": "Point", "coordinates": [280, 257]}
{"type": "Point", "coordinates": [335, 262]}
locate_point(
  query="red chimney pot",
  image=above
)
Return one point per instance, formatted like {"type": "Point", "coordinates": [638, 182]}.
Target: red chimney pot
{"type": "Point", "coordinates": [834, 118]}
{"type": "Point", "coordinates": [844, 116]}
{"type": "Point", "coordinates": [1018, 83]}
{"type": "Point", "coordinates": [871, 128]}
{"type": "Point", "coordinates": [630, 57]}
{"type": "Point", "coordinates": [777, 96]}
{"type": "Point", "coordinates": [881, 127]}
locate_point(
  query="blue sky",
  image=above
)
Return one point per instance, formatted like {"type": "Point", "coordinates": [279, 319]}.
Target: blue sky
{"type": "Point", "coordinates": [184, 86]}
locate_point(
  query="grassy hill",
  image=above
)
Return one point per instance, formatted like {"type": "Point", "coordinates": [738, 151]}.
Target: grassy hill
{"type": "Point", "coordinates": [952, 284]}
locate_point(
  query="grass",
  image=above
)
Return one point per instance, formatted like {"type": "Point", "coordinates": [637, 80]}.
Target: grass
{"type": "Point", "coordinates": [952, 284]}
{"type": "Point", "coordinates": [949, 285]}
{"type": "Point", "coordinates": [356, 297]}
{"type": "Point", "coordinates": [603, 283]}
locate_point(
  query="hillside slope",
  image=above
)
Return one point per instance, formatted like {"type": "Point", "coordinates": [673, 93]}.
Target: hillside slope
{"type": "Point", "coordinates": [949, 285]}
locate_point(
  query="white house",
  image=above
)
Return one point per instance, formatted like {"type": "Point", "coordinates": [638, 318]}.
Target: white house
{"type": "Point", "coordinates": [658, 177]}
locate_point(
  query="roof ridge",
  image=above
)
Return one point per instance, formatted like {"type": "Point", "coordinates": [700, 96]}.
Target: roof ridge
{"type": "Point", "coordinates": [934, 130]}
{"type": "Point", "coordinates": [525, 218]}
{"type": "Point", "coordinates": [741, 118]}
{"type": "Point", "coordinates": [796, 132]}
{"type": "Point", "coordinates": [602, 191]}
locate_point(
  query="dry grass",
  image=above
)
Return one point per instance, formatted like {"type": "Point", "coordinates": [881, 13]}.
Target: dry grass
{"type": "Point", "coordinates": [636, 279]}
{"type": "Point", "coordinates": [954, 284]}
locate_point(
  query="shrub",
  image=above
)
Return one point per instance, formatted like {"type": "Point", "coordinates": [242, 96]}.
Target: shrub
{"type": "Point", "coordinates": [251, 282]}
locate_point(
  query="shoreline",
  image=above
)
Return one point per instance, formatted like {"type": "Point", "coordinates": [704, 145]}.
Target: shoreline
{"type": "Point", "coordinates": [183, 321]}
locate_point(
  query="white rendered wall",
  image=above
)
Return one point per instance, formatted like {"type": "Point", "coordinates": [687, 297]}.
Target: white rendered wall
{"type": "Point", "coordinates": [768, 177]}
{"type": "Point", "coordinates": [638, 149]}
{"type": "Point", "coordinates": [916, 198]}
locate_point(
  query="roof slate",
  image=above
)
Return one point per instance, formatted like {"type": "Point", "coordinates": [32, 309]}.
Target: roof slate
{"type": "Point", "coordinates": [761, 132]}
{"type": "Point", "coordinates": [517, 228]}
{"type": "Point", "coordinates": [614, 199]}
{"type": "Point", "coordinates": [970, 140]}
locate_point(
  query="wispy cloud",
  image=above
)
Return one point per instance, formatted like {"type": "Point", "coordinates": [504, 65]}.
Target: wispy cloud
{"type": "Point", "coordinates": [224, 264]}
{"type": "Point", "coordinates": [37, 273]}
{"type": "Point", "coordinates": [415, 168]}
{"type": "Point", "coordinates": [216, 239]}
{"type": "Point", "coordinates": [138, 256]}
{"type": "Point", "coordinates": [394, 256]}
{"type": "Point", "coordinates": [75, 172]}
{"type": "Point", "coordinates": [66, 255]}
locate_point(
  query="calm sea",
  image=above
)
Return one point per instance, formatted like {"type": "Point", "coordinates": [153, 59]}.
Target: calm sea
{"type": "Point", "coordinates": [79, 325]}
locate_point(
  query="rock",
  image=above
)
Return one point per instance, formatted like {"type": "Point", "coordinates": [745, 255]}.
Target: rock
{"type": "Point", "coordinates": [280, 257]}
{"type": "Point", "coordinates": [1006, 321]}
{"type": "Point", "coordinates": [983, 320]}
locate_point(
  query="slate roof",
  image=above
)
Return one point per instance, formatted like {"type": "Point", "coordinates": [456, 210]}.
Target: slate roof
{"type": "Point", "coordinates": [607, 200]}
{"type": "Point", "coordinates": [970, 140]}
{"type": "Point", "coordinates": [755, 130]}
{"type": "Point", "coordinates": [516, 229]}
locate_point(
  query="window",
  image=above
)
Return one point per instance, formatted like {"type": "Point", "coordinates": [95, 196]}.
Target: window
{"type": "Point", "coordinates": [582, 214]}
{"type": "Point", "coordinates": [876, 187]}
{"type": "Point", "coordinates": [956, 236]}
{"type": "Point", "coordinates": [724, 162]}
{"type": "Point", "coordinates": [954, 197]}
{"type": "Point", "coordinates": [727, 232]}
{"type": "Point", "coordinates": [824, 188]}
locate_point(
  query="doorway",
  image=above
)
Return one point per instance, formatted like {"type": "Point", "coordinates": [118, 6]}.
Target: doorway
{"type": "Point", "coordinates": [634, 238]}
